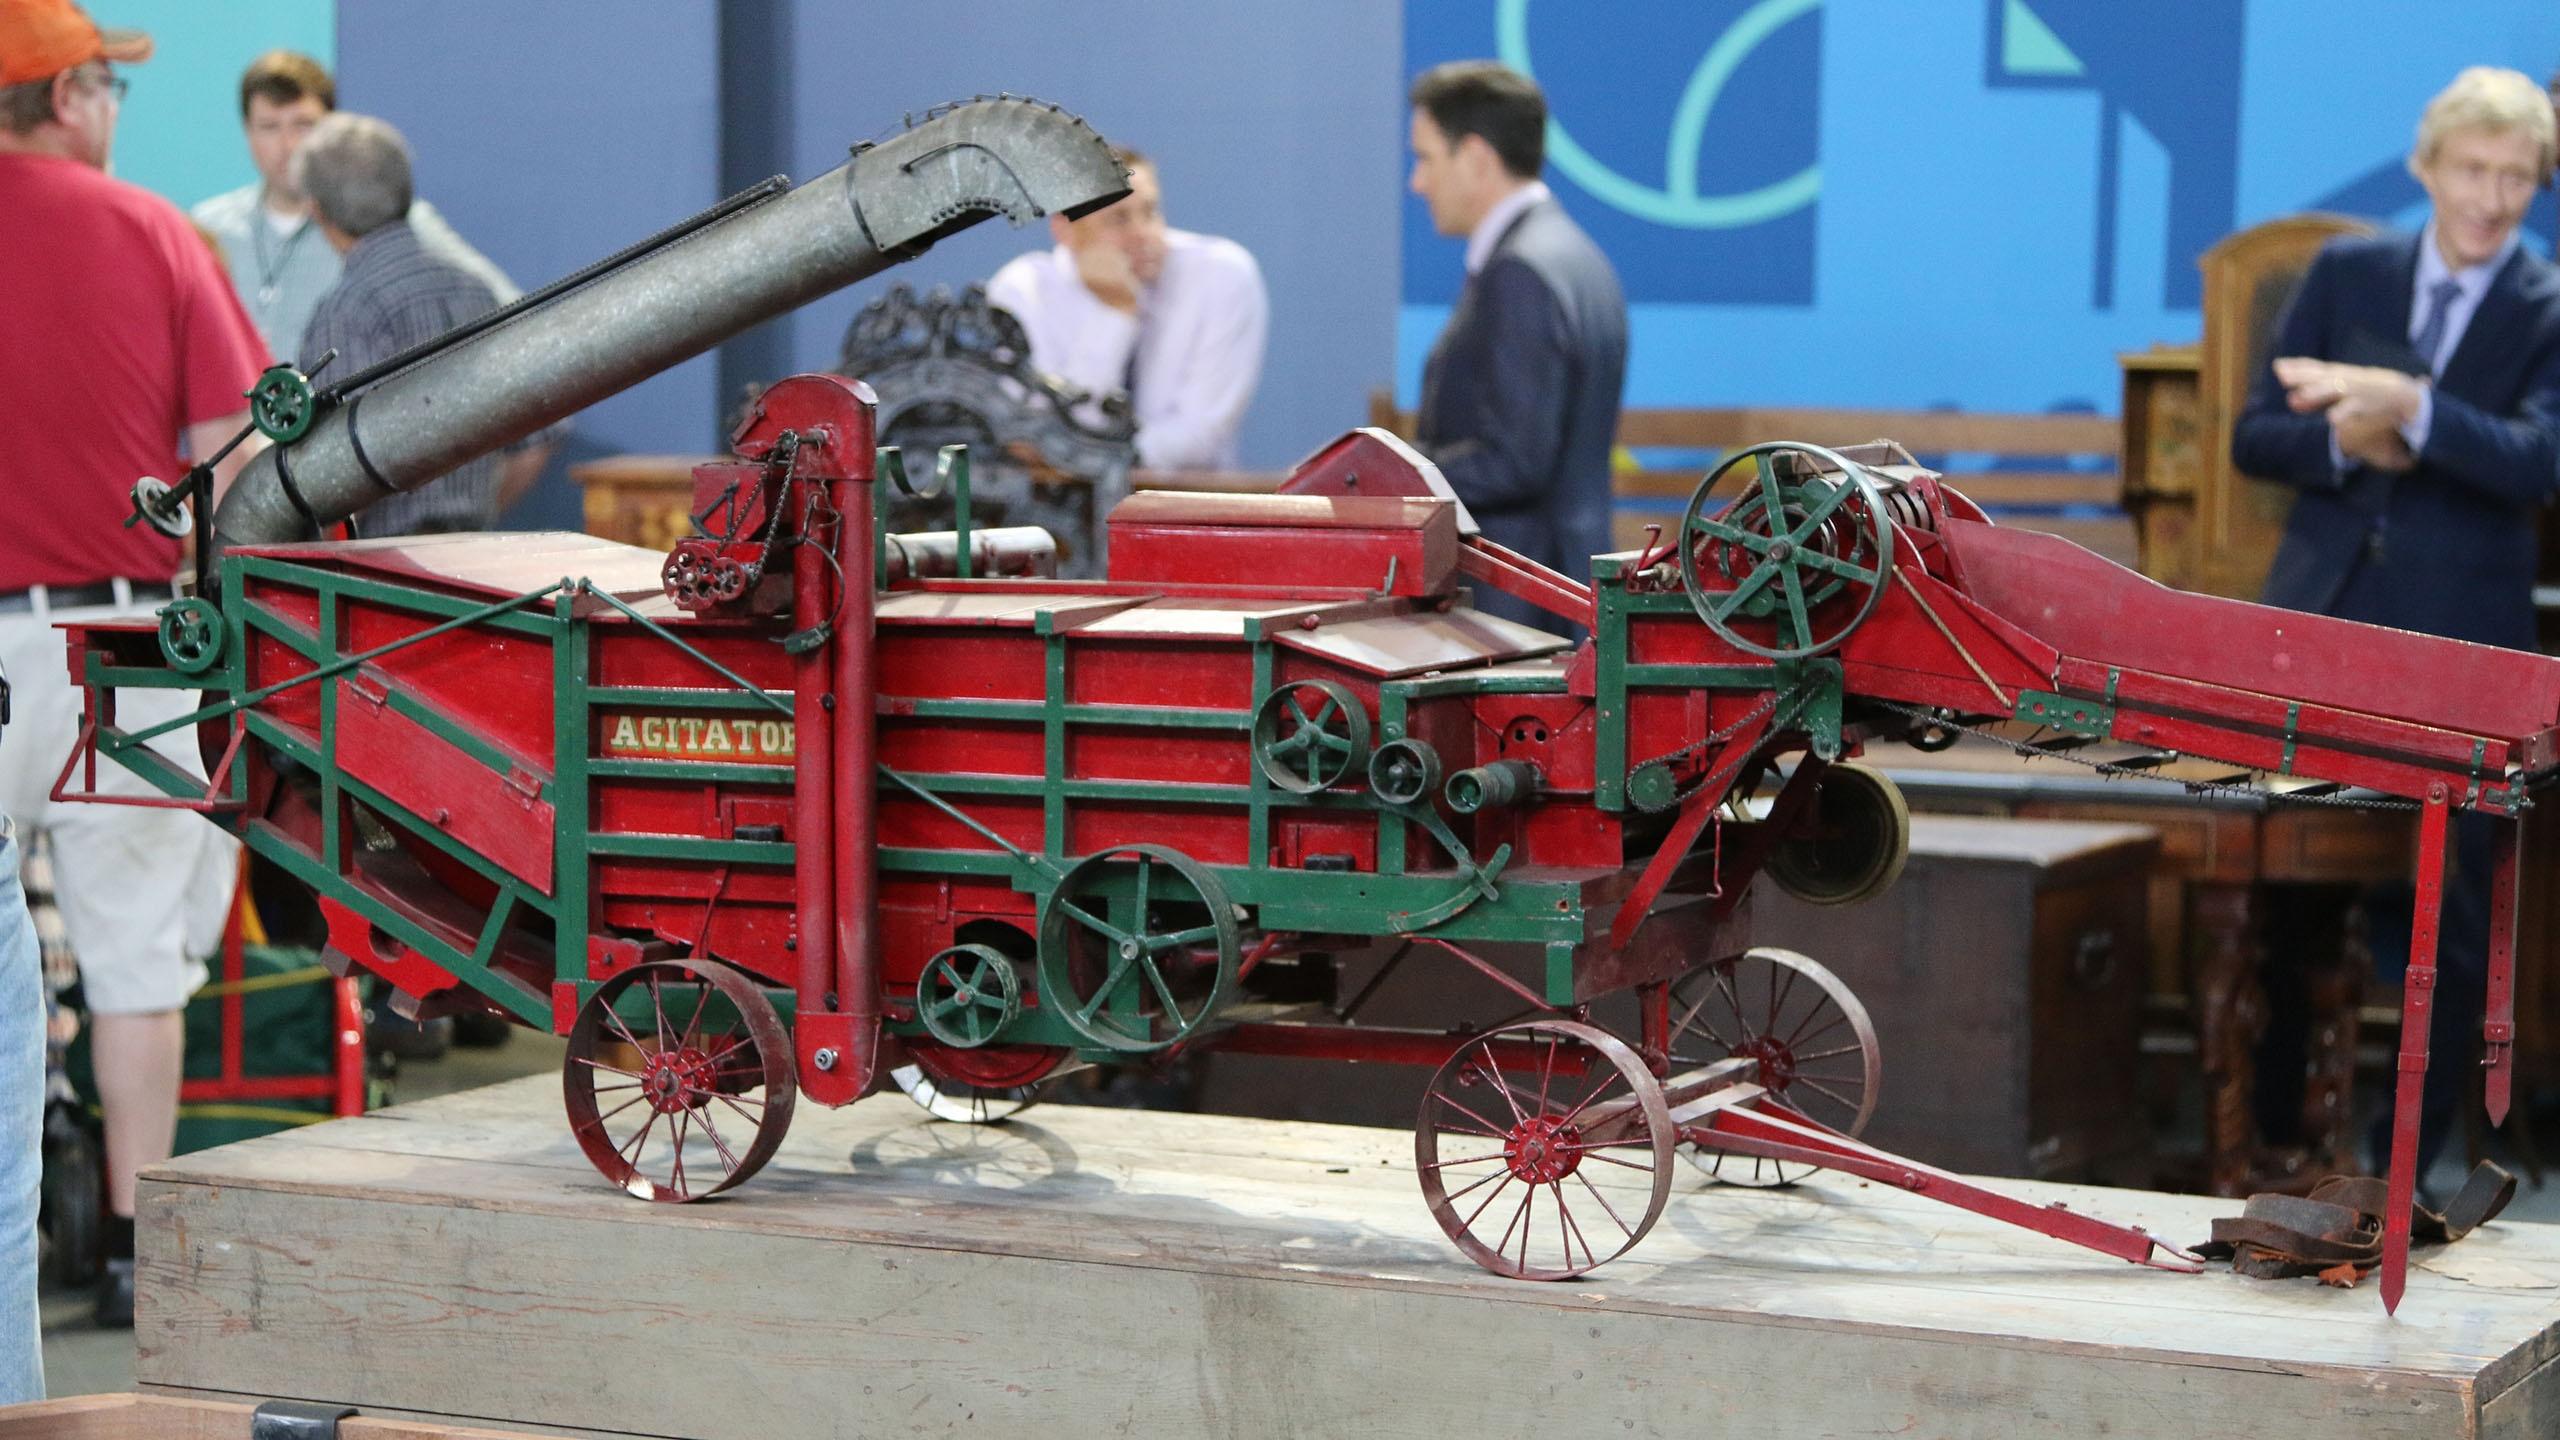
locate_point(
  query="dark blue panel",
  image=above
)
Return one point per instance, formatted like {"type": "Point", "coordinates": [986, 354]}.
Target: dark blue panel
{"type": "Point", "coordinates": [553, 135]}
{"type": "Point", "coordinates": [1730, 87]}
{"type": "Point", "coordinates": [1279, 126]}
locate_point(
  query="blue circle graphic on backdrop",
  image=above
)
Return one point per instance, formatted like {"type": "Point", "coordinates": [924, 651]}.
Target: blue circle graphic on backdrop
{"type": "Point", "coordinates": [1677, 201]}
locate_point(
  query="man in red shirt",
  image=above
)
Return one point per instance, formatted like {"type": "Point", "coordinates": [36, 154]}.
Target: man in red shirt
{"type": "Point", "coordinates": [124, 339]}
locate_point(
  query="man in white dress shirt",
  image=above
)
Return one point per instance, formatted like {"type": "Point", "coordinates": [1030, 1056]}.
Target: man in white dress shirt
{"type": "Point", "coordinates": [1125, 303]}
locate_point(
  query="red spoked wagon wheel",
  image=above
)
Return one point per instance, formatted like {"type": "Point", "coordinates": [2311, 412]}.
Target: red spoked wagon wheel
{"type": "Point", "coordinates": [1814, 1046]}
{"type": "Point", "coordinates": [1545, 1149]}
{"type": "Point", "coordinates": [678, 1079]}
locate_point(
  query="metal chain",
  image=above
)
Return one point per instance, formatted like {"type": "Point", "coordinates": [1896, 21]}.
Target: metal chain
{"type": "Point", "coordinates": [1757, 713]}
{"type": "Point", "coordinates": [1939, 720]}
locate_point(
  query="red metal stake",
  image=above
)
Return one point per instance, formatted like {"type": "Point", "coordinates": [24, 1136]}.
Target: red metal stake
{"type": "Point", "coordinates": [2498, 1025]}
{"type": "Point", "coordinates": [2417, 1010]}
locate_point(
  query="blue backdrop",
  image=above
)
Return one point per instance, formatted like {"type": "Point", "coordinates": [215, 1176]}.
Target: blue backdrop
{"type": "Point", "coordinates": [1974, 203]}
{"type": "Point", "coordinates": [1814, 202]}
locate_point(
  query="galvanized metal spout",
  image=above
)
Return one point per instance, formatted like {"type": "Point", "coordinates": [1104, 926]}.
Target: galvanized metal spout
{"type": "Point", "coordinates": [1018, 158]}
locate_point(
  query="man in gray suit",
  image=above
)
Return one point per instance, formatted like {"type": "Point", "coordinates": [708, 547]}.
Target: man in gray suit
{"type": "Point", "coordinates": [1520, 397]}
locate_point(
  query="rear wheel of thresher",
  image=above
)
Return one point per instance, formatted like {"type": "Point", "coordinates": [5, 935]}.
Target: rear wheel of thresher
{"type": "Point", "coordinates": [1814, 1046]}
{"type": "Point", "coordinates": [678, 1079]}
{"type": "Point", "coordinates": [1553, 1109]}
{"type": "Point", "coordinates": [976, 1086]}
{"type": "Point", "coordinates": [1138, 947]}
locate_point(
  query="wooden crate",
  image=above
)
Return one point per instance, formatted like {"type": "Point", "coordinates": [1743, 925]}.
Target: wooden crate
{"type": "Point", "coordinates": [1088, 1272]}
{"type": "Point", "coordinates": [2005, 974]}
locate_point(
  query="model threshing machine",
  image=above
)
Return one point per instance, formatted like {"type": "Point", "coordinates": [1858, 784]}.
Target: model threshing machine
{"type": "Point", "coordinates": [802, 805]}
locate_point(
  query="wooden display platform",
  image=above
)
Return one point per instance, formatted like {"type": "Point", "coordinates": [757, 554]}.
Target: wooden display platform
{"type": "Point", "coordinates": [1086, 1271]}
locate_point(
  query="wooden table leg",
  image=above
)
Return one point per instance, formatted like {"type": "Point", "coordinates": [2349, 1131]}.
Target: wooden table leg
{"type": "Point", "coordinates": [2230, 1010]}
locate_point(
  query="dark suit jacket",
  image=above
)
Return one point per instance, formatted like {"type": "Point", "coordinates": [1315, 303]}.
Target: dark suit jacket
{"type": "Point", "coordinates": [1520, 398]}
{"type": "Point", "coordinates": [2447, 548]}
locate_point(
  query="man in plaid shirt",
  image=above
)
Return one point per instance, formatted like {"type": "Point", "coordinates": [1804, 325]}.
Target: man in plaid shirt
{"type": "Point", "coordinates": [392, 294]}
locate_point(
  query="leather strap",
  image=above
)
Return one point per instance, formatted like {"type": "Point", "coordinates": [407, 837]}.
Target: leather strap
{"type": "Point", "coordinates": [2340, 1223]}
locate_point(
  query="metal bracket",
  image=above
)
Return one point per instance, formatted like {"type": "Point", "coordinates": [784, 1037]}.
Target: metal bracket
{"type": "Point", "coordinates": [297, 1420]}
{"type": "Point", "coordinates": [2292, 736]}
{"type": "Point", "coordinates": [2093, 718]}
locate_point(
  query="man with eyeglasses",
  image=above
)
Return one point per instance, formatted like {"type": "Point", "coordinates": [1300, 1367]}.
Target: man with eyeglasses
{"type": "Point", "coordinates": [2414, 408]}
{"type": "Point", "coordinates": [280, 262]}
{"type": "Point", "coordinates": [123, 339]}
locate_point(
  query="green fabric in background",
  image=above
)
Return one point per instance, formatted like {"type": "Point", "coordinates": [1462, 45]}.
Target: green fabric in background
{"type": "Point", "coordinates": [288, 1027]}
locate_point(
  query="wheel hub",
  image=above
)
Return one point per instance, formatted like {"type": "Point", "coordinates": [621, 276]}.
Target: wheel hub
{"type": "Point", "coordinates": [677, 1080]}
{"type": "Point", "coordinates": [1543, 1149]}
{"type": "Point", "coordinates": [1776, 1059]}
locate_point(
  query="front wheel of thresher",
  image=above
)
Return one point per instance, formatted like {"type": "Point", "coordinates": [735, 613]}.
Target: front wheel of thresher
{"type": "Point", "coordinates": [679, 1079]}
{"type": "Point", "coordinates": [1138, 947]}
{"type": "Point", "coordinates": [1552, 1109]}
{"type": "Point", "coordinates": [1813, 1044]}
{"type": "Point", "coordinates": [1795, 558]}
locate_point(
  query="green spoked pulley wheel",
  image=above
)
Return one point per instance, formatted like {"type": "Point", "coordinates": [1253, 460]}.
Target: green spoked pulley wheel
{"type": "Point", "coordinates": [1789, 561]}
{"type": "Point", "coordinates": [283, 405]}
{"type": "Point", "coordinates": [967, 995]}
{"type": "Point", "coordinates": [191, 632]}
{"type": "Point", "coordinates": [1138, 947]}
{"type": "Point", "coordinates": [1310, 735]}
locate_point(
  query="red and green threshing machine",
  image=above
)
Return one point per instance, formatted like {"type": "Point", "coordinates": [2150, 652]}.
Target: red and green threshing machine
{"type": "Point", "coordinates": [800, 806]}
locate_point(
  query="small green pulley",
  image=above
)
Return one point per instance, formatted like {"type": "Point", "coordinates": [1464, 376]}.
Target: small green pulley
{"type": "Point", "coordinates": [966, 995]}
{"type": "Point", "coordinates": [283, 405]}
{"type": "Point", "coordinates": [191, 634]}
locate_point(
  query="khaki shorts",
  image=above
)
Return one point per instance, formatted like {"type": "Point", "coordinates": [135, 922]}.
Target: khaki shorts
{"type": "Point", "coordinates": [143, 892]}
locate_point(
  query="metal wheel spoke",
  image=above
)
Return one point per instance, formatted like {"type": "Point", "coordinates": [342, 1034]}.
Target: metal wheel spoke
{"type": "Point", "coordinates": [628, 1038]}
{"type": "Point", "coordinates": [1484, 1064]}
{"type": "Point", "coordinates": [1332, 743]}
{"type": "Point", "coordinates": [630, 1150]}
{"type": "Point", "coordinates": [1506, 1177]}
{"type": "Point", "coordinates": [1164, 992]}
{"type": "Point", "coordinates": [727, 1158]}
{"type": "Point", "coordinates": [1473, 1185]}
{"type": "Point", "coordinates": [1732, 534]}
{"type": "Point", "coordinates": [1793, 577]}
{"type": "Point", "coordinates": [1305, 721]}
{"type": "Point", "coordinates": [1465, 1160]}
{"type": "Point", "coordinates": [1773, 496]}
{"type": "Point", "coordinates": [1527, 1191]}
{"type": "Point", "coordinates": [1845, 569]}
{"type": "Point", "coordinates": [1566, 1231]}
{"type": "Point", "coordinates": [1741, 594]}
{"type": "Point", "coordinates": [1733, 998]}
{"type": "Point", "coordinates": [1821, 510]}
{"type": "Point", "coordinates": [675, 1177]}
{"type": "Point", "coordinates": [658, 1006]}
{"type": "Point", "coordinates": [1528, 1220]}
{"type": "Point", "coordinates": [608, 1069]}
{"type": "Point", "coordinates": [598, 1122]}
{"type": "Point", "coordinates": [1146, 881]}
{"type": "Point", "coordinates": [1614, 1217]}
{"type": "Point", "coordinates": [1297, 741]}
{"type": "Point", "coordinates": [1838, 1018]}
{"type": "Point", "coordinates": [732, 1102]}
{"type": "Point", "coordinates": [1836, 1096]}
{"type": "Point", "coordinates": [1490, 1130]}
{"type": "Point", "coordinates": [1547, 1071]}
{"type": "Point", "coordinates": [1850, 1049]}
{"type": "Point", "coordinates": [1324, 711]}
{"type": "Point", "coordinates": [1697, 1021]}
{"type": "Point", "coordinates": [1077, 913]}
{"type": "Point", "coordinates": [1778, 997]}
{"type": "Point", "coordinates": [1102, 992]}
{"type": "Point", "coordinates": [1177, 938]}
{"type": "Point", "coordinates": [1608, 1076]}
{"type": "Point", "coordinates": [1614, 1160]}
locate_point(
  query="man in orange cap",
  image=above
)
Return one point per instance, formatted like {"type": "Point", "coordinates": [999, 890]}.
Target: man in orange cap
{"type": "Point", "coordinates": [124, 339]}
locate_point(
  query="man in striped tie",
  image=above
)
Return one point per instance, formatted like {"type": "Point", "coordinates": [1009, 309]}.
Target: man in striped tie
{"type": "Point", "coordinates": [2415, 408]}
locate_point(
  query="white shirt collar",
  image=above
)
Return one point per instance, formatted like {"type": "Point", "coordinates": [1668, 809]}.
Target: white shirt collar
{"type": "Point", "coordinates": [2474, 279]}
{"type": "Point", "coordinates": [1488, 231]}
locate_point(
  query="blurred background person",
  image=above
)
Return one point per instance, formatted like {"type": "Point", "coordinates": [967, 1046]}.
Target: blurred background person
{"type": "Point", "coordinates": [394, 292]}
{"type": "Point", "coordinates": [1175, 320]}
{"type": "Point", "coordinates": [280, 265]}
{"type": "Point", "coordinates": [110, 284]}
{"type": "Point", "coordinates": [1520, 396]}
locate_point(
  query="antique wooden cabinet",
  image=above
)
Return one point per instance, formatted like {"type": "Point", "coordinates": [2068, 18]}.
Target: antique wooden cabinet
{"type": "Point", "coordinates": [2004, 972]}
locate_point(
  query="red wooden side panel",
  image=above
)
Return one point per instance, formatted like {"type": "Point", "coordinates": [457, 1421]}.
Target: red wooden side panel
{"type": "Point", "coordinates": [2090, 608]}
{"type": "Point", "coordinates": [497, 816]}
